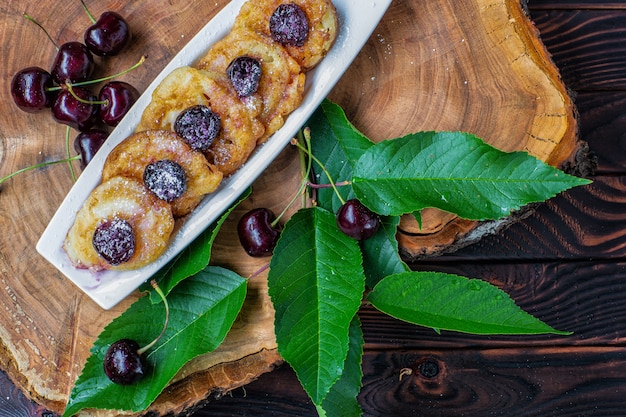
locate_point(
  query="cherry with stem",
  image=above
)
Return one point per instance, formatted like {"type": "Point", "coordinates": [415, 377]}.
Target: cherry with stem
{"type": "Point", "coordinates": [123, 362]}
{"type": "Point", "coordinates": [73, 61]}
{"type": "Point", "coordinates": [259, 229]}
{"type": "Point", "coordinates": [108, 35]}
{"type": "Point", "coordinates": [77, 107]}
{"type": "Point", "coordinates": [353, 218]}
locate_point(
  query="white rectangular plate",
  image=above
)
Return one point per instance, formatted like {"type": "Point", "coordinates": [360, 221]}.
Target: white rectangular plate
{"type": "Point", "coordinates": [357, 21]}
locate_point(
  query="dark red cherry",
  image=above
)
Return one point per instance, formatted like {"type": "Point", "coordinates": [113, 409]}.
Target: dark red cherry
{"type": "Point", "coordinates": [88, 143]}
{"type": "Point", "coordinates": [29, 89]}
{"type": "Point", "coordinates": [109, 35]}
{"type": "Point", "coordinates": [116, 97]}
{"type": "Point", "coordinates": [72, 112]}
{"type": "Point", "coordinates": [356, 220]}
{"type": "Point", "coordinates": [73, 63]}
{"type": "Point", "coordinates": [198, 126]}
{"type": "Point", "coordinates": [123, 364]}
{"type": "Point", "coordinates": [256, 233]}
{"type": "Point", "coordinates": [114, 240]}
{"type": "Point", "coordinates": [289, 25]}
{"type": "Point", "coordinates": [244, 73]}
{"type": "Point", "coordinates": [166, 179]}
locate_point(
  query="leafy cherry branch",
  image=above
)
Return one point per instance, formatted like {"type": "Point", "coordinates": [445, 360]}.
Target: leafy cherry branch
{"type": "Point", "coordinates": [318, 276]}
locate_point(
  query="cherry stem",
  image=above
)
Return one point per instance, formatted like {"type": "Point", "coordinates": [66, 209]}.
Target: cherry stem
{"type": "Point", "coordinates": [28, 17]}
{"type": "Point", "coordinates": [305, 167]}
{"type": "Point", "coordinates": [165, 323]}
{"type": "Point", "coordinates": [67, 153]}
{"type": "Point", "coordinates": [70, 88]}
{"type": "Point", "coordinates": [41, 165]}
{"type": "Point", "coordinates": [259, 271]}
{"type": "Point", "coordinates": [318, 186]}
{"type": "Point", "coordinates": [305, 134]}
{"type": "Point", "coordinates": [93, 19]}
{"type": "Point", "coordinates": [98, 80]}
{"type": "Point", "coordinates": [307, 139]}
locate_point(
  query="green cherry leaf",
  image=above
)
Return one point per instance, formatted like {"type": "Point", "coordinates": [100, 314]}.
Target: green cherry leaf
{"type": "Point", "coordinates": [202, 311]}
{"type": "Point", "coordinates": [316, 285]}
{"type": "Point", "coordinates": [193, 259]}
{"type": "Point", "coordinates": [381, 256]}
{"type": "Point", "coordinates": [451, 302]}
{"type": "Point", "coordinates": [341, 400]}
{"type": "Point", "coordinates": [338, 145]}
{"type": "Point", "coordinates": [456, 172]}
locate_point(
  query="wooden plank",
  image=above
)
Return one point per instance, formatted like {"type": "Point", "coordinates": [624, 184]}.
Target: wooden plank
{"type": "Point", "coordinates": [586, 45]}
{"type": "Point", "coordinates": [602, 125]}
{"type": "Point", "coordinates": [490, 382]}
{"type": "Point", "coordinates": [575, 4]}
{"type": "Point", "coordinates": [13, 402]}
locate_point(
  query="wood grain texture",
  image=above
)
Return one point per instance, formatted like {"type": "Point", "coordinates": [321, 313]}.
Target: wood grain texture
{"type": "Point", "coordinates": [469, 382]}
{"type": "Point", "coordinates": [588, 48]}
{"type": "Point", "coordinates": [47, 326]}
{"type": "Point", "coordinates": [575, 5]}
{"type": "Point", "coordinates": [603, 123]}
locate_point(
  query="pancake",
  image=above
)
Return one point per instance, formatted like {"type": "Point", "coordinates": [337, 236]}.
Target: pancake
{"type": "Point", "coordinates": [322, 26]}
{"type": "Point", "coordinates": [185, 87]}
{"type": "Point", "coordinates": [134, 153]}
{"type": "Point", "coordinates": [127, 199]}
{"type": "Point", "coordinates": [281, 84]}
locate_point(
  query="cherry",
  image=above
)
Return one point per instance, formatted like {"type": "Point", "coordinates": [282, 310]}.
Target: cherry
{"type": "Point", "coordinates": [30, 89]}
{"type": "Point", "coordinates": [80, 114]}
{"type": "Point", "coordinates": [257, 234]}
{"type": "Point", "coordinates": [73, 63]}
{"type": "Point", "coordinates": [198, 126]}
{"type": "Point", "coordinates": [289, 25]}
{"type": "Point", "coordinates": [356, 220]}
{"type": "Point", "coordinates": [244, 73]}
{"type": "Point", "coordinates": [109, 35]}
{"type": "Point", "coordinates": [166, 179]}
{"type": "Point", "coordinates": [114, 240]}
{"type": "Point", "coordinates": [116, 97]}
{"type": "Point", "coordinates": [88, 143]}
{"type": "Point", "coordinates": [122, 362]}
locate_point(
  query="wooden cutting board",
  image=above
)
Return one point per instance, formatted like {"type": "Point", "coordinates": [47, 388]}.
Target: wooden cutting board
{"type": "Point", "coordinates": [469, 65]}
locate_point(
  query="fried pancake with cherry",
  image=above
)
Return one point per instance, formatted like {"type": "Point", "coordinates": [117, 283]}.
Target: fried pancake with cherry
{"type": "Point", "coordinates": [133, 155]}
{"type": "Point", "coordinates": [186, 87]}
{"type": "Point", "coordinates": [306, 28]}
{"type": "Point", "coordinates": [280, 82]}
{"type": "Point", "coordinates": [121, 226]}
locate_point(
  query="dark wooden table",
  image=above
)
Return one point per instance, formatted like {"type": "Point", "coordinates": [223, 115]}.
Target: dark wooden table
{"type": "Point", "coordinates": [566, 264]}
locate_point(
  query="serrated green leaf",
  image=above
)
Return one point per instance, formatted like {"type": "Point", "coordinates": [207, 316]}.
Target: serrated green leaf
{"type": "Point", "coordinates": [381, 256]}
{"type": "Point", "coordinates": [451, 302]}
{"type": "Point", "coordinates": [456, 172]}
{"type": "Point", "coordinates": [341, 400]}
{"type": "Point", "coordinates": [316, 284]}
{"type": "Point", "coordinates": [338, 145]}
{"type": "Point", "coordinates": [202, 311]}
{"type": "Point", "coordinates": [193, 259]}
